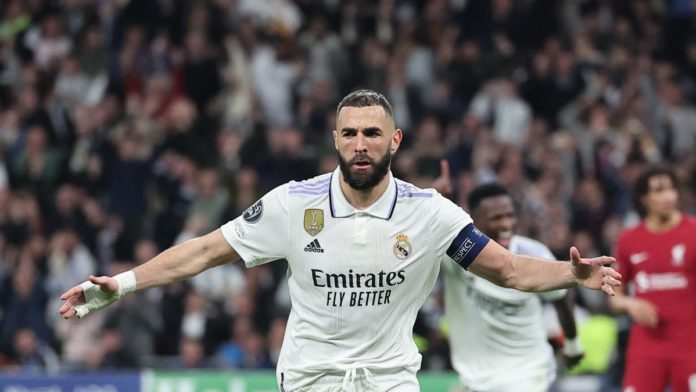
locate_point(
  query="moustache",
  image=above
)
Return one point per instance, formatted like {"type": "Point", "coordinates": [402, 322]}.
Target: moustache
{"type": "Point", "coordinates": [361, 159]}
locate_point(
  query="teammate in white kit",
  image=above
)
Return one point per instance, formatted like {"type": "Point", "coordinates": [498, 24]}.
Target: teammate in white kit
{"type": "Point", "coordinates": [498, 342]}
{"type": "Point", "coordinates": [363, 250]}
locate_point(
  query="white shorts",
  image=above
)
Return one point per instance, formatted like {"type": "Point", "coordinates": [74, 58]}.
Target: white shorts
{"type": "Point", "coordinates": [356, 380]}
{"type": "Point", "coordinates": [537, 377]}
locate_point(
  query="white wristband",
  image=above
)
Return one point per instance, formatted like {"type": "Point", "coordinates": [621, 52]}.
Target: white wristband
{"type": "Point", "coordinates": [572, 347]}
{"type": "Point", "coordinates": [126, 283]}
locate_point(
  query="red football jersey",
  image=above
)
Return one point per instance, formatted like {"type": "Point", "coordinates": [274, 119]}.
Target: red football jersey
{"type": "Point", "coordinates": [662, 269]}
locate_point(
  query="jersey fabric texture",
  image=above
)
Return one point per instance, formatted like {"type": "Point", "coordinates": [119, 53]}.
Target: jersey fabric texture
{"type": "Point", "coordinates": [497, 339]}
{"type": "Point", "coordinates": [357, 278]}
{"type": "Point", "coordinates": [661, 268]}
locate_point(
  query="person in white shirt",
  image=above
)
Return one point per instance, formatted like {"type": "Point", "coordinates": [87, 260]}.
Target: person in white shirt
{"type": "Point", "coordinates": [363, 250]}
{"type": "Point", "coordinates": [498, 342]}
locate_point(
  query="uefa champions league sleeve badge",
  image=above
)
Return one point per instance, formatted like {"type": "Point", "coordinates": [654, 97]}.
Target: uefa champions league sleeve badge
{"type": "Point", "coordinates": [253, 213]}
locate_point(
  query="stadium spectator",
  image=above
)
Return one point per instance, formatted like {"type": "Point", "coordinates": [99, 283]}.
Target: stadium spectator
{"type": "Point", "coordinates": [32, 355]}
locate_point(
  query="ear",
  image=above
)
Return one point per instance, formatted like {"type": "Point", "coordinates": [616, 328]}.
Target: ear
{"type": "Point", "coordinates": [396, 138]}
{"type": "Point", "coordinates": [335, 135]}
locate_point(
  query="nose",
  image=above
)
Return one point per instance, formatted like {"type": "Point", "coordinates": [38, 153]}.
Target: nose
{"type": "Point", "coordinates": [360, 145]}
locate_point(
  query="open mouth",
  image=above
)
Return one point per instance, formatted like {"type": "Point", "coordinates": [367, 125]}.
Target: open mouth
{"type": "Point", "coordinates": [504, 238]}
{"type": "Point", "coordinates": [362, 163]}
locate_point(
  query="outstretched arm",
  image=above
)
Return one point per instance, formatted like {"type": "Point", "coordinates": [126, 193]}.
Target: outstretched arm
{"type": "Point", "coordinates": [179, 262]}
{"type": "Point", "coordinates": [185, 260]}
{"type": "Point", "coordinates": [527, 273]}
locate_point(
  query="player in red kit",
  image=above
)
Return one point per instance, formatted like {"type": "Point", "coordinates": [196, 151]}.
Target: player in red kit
{"type": "Point", "coordinates": [658, 261]}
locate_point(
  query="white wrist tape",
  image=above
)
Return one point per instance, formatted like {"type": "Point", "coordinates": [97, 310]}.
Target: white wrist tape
{"type": "Point", "coordinates": [126, 283]}
{"type": "Point", "coordinates": [572, 347]}
{"type": "Point", "coordinates": [96, 298]}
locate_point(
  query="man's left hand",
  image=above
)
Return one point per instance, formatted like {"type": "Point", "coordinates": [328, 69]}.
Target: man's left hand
{"type": "Point", "coordinates": [593, 274]}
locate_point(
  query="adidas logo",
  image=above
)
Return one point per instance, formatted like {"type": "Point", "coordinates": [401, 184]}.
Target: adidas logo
{"type": "Point", "coordinates": [314, 247]}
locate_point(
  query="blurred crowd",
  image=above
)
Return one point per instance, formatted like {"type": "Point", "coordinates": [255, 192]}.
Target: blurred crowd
{"type": "Point", "coordinates": [130, 126]}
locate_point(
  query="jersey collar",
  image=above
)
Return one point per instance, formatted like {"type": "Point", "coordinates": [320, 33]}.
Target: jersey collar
{"type": "Point", "coordinates": [340, 208]}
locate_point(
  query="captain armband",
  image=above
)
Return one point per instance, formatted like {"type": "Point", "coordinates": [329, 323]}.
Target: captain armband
{"type": "Point", "coordinates": [467, 245]}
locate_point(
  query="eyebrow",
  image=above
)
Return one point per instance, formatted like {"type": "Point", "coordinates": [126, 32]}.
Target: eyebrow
{"type": "Point", "coordinates": [368, 129]}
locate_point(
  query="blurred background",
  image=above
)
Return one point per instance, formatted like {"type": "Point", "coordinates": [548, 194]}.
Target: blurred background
{"type": "Point", "coordinates": [130, 126]}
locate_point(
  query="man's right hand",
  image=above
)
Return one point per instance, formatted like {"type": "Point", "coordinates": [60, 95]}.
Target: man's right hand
{"type": "Point", "coordinates": [94, 294]}
{"type": "Point", "coordinates": [643, 313]}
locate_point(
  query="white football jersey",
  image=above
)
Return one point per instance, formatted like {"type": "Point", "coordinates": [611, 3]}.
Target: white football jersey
{"type": "Point", "coordinates": [497, 339]}
{"type": "Point", "coordinates": [357, 278]}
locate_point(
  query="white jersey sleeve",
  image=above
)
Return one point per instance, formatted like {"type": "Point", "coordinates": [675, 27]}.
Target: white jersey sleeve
{"type": "Point", "coordinates": [450, 219]}
{"type": "Point", "coordinates": [455, 234]}
{"type": "Point", "coordinates": [260, 234]}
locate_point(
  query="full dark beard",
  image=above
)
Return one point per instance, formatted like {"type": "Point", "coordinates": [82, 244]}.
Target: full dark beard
{"type": "Point", "coordinates": [363, 179]}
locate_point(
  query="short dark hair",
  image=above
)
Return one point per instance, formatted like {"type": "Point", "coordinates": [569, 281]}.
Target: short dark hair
{"type": "Point", "coordinates": [365, 97]}
{"type": "Point", "coordinates": [481, 192]}
{"type": "Point", "coordinates": [642, 185]}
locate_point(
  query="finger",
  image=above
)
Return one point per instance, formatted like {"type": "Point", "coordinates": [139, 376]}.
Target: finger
{"type": "Point", "coordinates": [608, 289]}
{"type": "Point", "coordinates": [604, 260]}
{"type": "Point", "coordinates": [64, 308]}
{"type": "Point", "coordinates": [104, 282]}
{"type": "Point", "coordinates": [611, 272]}
{"type": "Point", "coordinates": [444, 168]}
{"type": "Point", "coordinates": [69, 314]}
{"type": "Point", "coordinates": [574, 255]}
{"type": "Point", "coordinates": [69, 304]}
{"type": "Point", "coordinates": [80, 311]}
{"type": "Point", "coordinates": [601, 260]}
{"type": "Point", "coordinates": [611, 281]}
{"type": "Point", "coordinates": [77, 290]}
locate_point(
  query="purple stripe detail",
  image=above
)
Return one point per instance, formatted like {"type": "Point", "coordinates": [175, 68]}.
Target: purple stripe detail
{"type": "Point", "coordinates": [396, 196]}
{"type": "Point", "coordinates": [305, 192]}
{"type": "Point", "coordinates": [296, 187]}
{"type": "Point", "coordinates": [307, 183]}
{"type": "Point", "coordinates": [410, 195]}
{"type": "Point", "coordinates": [331, 206]}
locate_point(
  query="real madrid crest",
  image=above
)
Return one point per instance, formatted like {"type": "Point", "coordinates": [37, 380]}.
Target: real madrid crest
{"type": "Point", "coordinates": [402, 248]}
{"type": "Point", "coordinates": [313, 220]}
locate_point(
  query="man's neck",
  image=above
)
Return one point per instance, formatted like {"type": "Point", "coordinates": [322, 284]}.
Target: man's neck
{"type": "Point", "coordinates": [363, 199]}
{"type": "Point", "coordinates": [662, 223]}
